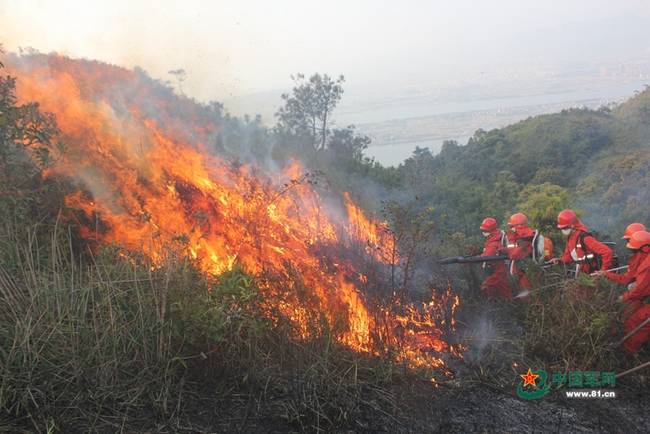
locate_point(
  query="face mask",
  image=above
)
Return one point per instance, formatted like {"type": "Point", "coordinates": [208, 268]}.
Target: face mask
{"type": "Point", "coordinates": [566, 231]}
{"type": "Point", "coordinates": [486, 234]}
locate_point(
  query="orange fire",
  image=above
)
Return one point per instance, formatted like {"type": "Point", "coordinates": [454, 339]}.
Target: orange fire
{"type": "Point", "coordinates": [139, 155]}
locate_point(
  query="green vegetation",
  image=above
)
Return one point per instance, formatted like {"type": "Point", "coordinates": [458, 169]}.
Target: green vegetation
{"type": "Point", "coordinates": [574, 158]}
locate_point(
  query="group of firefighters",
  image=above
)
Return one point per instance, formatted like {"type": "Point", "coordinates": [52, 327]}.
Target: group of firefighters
{"type": "Point", "coordinates": [582, 249]}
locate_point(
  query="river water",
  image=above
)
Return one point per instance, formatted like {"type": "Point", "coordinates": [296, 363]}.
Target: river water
{"type": "Point", "coordinates": [393, 154]}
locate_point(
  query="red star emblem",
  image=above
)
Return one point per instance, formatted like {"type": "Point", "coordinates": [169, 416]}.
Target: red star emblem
{"type": "Point", "coordinates": [529, 378]}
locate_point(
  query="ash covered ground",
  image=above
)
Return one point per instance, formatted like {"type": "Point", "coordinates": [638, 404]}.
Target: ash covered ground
{"type": "Point", "coordinates": [480, 397]}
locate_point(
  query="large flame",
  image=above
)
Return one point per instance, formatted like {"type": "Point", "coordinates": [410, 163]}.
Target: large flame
{"type": "Point", "coordinates": [140, 151]}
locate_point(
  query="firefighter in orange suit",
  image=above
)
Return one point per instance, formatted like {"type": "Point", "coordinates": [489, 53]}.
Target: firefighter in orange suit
{"type": "Point", "coordinates": [639, 242]}
{"type": "Point", "coordinates": [520, 246]}
{"type": "Point", "coordinates": [497, 283]}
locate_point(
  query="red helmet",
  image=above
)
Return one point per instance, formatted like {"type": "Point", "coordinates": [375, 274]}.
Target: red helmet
{"type": "Point", "coordinates": [638, 240]}
{"type": "Point", "coordinates": [518, 219]}
{"type": "Point", "coordinates": [632, 228]}
{"type": "Point", "coordinates": [489, 224]}
{"type": "Point", "coordinates": [566, 218]}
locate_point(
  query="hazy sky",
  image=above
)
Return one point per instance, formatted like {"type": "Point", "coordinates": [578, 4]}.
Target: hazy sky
{"type": "Point", "coordinates": [234, 47]}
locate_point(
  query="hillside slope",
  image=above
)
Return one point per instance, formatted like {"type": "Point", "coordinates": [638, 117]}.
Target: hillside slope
{"type": "Point", "coordinates": [600, 158]}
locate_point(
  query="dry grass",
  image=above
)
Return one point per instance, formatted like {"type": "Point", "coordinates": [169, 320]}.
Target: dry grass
{"type": "Point", "coordinates": [573, 325]}
{"type": "Point", "coordinates": [102, 343]}
{"type": "Point", "coordinates": [82, 343]}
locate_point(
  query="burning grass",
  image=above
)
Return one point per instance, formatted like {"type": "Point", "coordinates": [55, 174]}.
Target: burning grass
{"type": "Point", "coordinates": [148, 185]}
{"type": "Point", "coordinates": [190, 273]}
{"type": "Point", "coordinates": [107, 343]}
